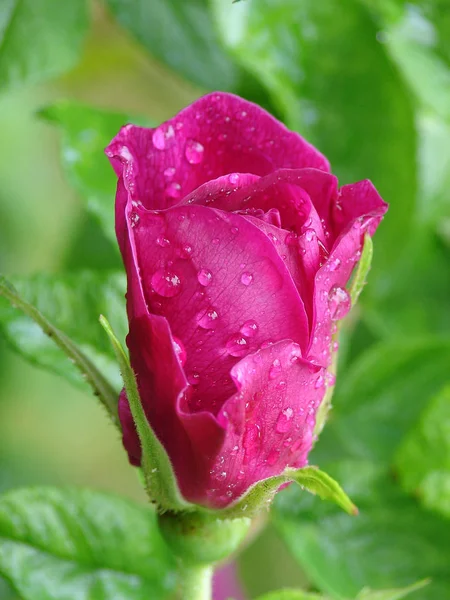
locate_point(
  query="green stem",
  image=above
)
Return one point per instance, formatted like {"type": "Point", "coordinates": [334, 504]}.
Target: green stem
{"type": "Point", "coordinates": [196, 583]}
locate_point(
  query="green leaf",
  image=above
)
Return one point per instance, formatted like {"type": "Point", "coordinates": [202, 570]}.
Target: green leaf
{"type": "Point", "coordinates": [157, 468]}
{"type": "Point", "coordinates": [73, 303]}
{"type": "Point", "coordinates": [309, 478]}
{"type": "Point", "coordinates": [360, 116]}
{"type": "Point", "coordinates": [380, 398]}
{"type": "Point", "coordinates": [423, 459]}
{"type": "Point", "coordinates": [40, 39]}
{"type": "Point", "coordinates": [291, 595]}
{"type": "Point", "coordinates": [391, 542]}
{"type": "Point", "coordinates": [80, 545]}
{"type": "Point", "coordinates": [181, 34]}
{"type": "Point", "coordinates": [86, 131]}
{"type": "Point", "coordinates": [397, 594]}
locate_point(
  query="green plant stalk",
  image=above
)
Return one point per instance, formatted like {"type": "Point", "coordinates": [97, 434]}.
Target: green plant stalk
{"type": "Point", "coordinates": [195, 582]}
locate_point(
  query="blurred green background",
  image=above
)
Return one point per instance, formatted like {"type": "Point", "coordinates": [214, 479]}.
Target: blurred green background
{"type": "Point", "coordinates": [368, 82]}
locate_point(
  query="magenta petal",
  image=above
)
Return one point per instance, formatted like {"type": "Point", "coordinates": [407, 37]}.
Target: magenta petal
{"type": "Point", "coordinates": [190, 440]}
{"type": "Point", "coordinates": [269, 421]}
{"type": "Point", "coordinates": [222, 287]}
{"type": "Point", "coordinates": [216, 135]}
{"type": "Point", "coordinates": [357, 200]}
{"type": "Point", "coordinates": [331, 298]}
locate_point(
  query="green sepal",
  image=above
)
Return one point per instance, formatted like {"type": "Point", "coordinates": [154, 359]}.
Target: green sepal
{"type": "Point", "coordinates": [360, 275]}
{"type": "Point", "coordinates": [393, 594]}
{"type": "Point", "coordinates": [156, 466]}
{"type": "Point", "coordinates": [100, 386]}
{"type": "Point", "coordinates": [311, 479]}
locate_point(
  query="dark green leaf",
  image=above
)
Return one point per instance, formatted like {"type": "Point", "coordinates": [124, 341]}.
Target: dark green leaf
{"type": "Point", "coordinates": [73, 304]}
{"type": "Point", "coordinates": [423, 459]}
{"type": "Point", "coordinates": [39, 39]}
{"type": "Point", "coordinates": [86, 132]}
{"type": "Point", "coordinates": [80, 545]}
{"type": "Point", "coordinates": [181, 34]}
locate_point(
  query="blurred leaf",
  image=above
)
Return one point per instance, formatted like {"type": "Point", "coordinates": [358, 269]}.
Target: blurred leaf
{"type": "Point", "coordinates": [381, 397]}
{"type": "Point", "coordinates": [393, 541]}
{"type": "Point", "coordinates": [180, 34]}
{"type": "Point", "coordinates": [291, 595]}
{"type": "Point", "coordinates": [423, 459]}
{"type": "Point", "coordinates": [79, 545]}
{"type": "Point", "coordinates": [397, 594]}
{"type": "Point", "coordinates": [86, 133]}
{"type": "Point", "coordinates": [40, 39]}
{"type": "Point", "coordinates": [390, 543]}
{"type": "Point", "coordinates": [333, 81]}
{"type": "Point", "coordinates": [73, 304]}
{"type": "Point", "coordinates": [408, 32]}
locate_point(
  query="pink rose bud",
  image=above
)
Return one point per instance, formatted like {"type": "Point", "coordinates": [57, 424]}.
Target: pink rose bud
{"type": "Point", "coordinates": [238, 247]}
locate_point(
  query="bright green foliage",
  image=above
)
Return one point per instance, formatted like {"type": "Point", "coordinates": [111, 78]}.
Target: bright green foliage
{"type": "Point", "coordinates": [423, 459]}
{"type": "Point", "coordinates": [39, 39]}
{"type": "Point", "coordinates": [79, 545]}
{"type": "Point", "coordinates": [393, 540]}
{"type": "Point", "coordinates": [86, 132]}
{"type": "Point", "coordinates": [73, 304]}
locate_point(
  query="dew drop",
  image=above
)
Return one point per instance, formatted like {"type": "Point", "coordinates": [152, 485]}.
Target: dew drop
{"type": "Point", "coordinates": [284, 421]}
{"type": "Point", "coordinates": [186, 251]}
{"type": "Point", "coordinates": [162, 241]}
{"type": "Point", "coordinates": [163, 137]}
{"type": "Point", "coordinates": [169, 172]}
{"type": "Point", "coordinates": [180, 351]}
{"type": "Point", "coordinates": [330, 379]}
{"type": "Point", "coordinates": [134, 219]}
{"type": "Point", "coordinates": [310, 234]}
{"type": "Point", "coordinates": [335, 264]}
{"type": "Point", "coordinates": [252, 440]}
{"type": "Point", "coordinates": [166, 283]}
{"type": "Point", "coordinates": [234, 178]}
{"type": "Point", "coordinates": [215, 241]}
{"type": "Point", "coordinates": [234, 230]}
{"type": "Point", "coordinates": [339, 302]}
{"type": "Point", "coordinates": [194, 378]}
{"type": "Point", "coordinates": [204, 277]}
{"type": "Point", "coordinates": [246, 278]}
{"type": "Point", "coordinates": [194, 152]}
{"type": "Point", "coordinates": [249, 328]}
{"type": "Point", "coordinates": [275, 369]}
{"type": "Point", "coordinates": [208, 319]}
{"type": "Point", "coordinates": [173, 190]}
{"type": "Point", "coordinates": [237, 345]}
{"type": "Point", "coordinates": [319, 382]}
{"type": "Point", "coordinates": [291, 239]}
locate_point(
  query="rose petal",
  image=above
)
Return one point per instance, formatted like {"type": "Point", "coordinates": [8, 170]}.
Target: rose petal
{"type": "Point", "coordinates": [222, 286]}
{"type": "Point", "coordinates": [269, 421]}
{"type": "Point", "coordinates": [218, 134]}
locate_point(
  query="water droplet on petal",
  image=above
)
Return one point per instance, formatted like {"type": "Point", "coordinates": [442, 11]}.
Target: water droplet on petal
{"type": "Point", "coordinates": [330, 379]}
{"type": "Point", "coordinates": [249, 328]}
{"type": "Point", "coordinates": [215, 241]}
{"type": "Point", "coordinates": [334, 264]}
{"type": "Point", "coordinates": [204, 277]}
{"type": "Point", "coordinates": [134, 219]}
{"type": "Point", "coordinates": [166, 283]}
{"type": "Point", "coordinates": [234, 178]}
{"type": "Point", "coordinates": [169, 172]}
{"type": "Point", "coordinates": [194, 152]}
{"type": "Point", "coordinates": [186, 251]}
{"type": "Point", "coordinates": [163, 137]}
{"type": "Point", "coordinates": [237, 345]}
{"type": "Point", "coordinates": [339, 302]}
{"type": "Point", "coordinates": [275, 369]}
{"type": "Point", "coordinates": [180, 351]}
{"type": "Point", "coordinates": [162, 241]}
{"type": "Point", "coordinates": [208, 319]}
{"type": "Point", "coordinates": [284, 421]}
{"type": "Point", "coordinates": [234, 230]}
{"type": "Point", "coordinates": [252, 440]}
{"type": "Point", "coordinates": [194, 378]}
{"type": "Point", "coordinates": [246, 278]}
{"type": "Point", "coordinates": [310, 234]}
{"type": "Point", "coordinates": [291, 239]}
{"type": "Point", "coordinates": [173, 190]}
{"type": "Point", "coordinates": [319, 382]}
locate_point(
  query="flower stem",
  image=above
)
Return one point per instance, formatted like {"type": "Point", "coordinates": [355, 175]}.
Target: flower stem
{"type": "Point", "coordinates": [196, 583]}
